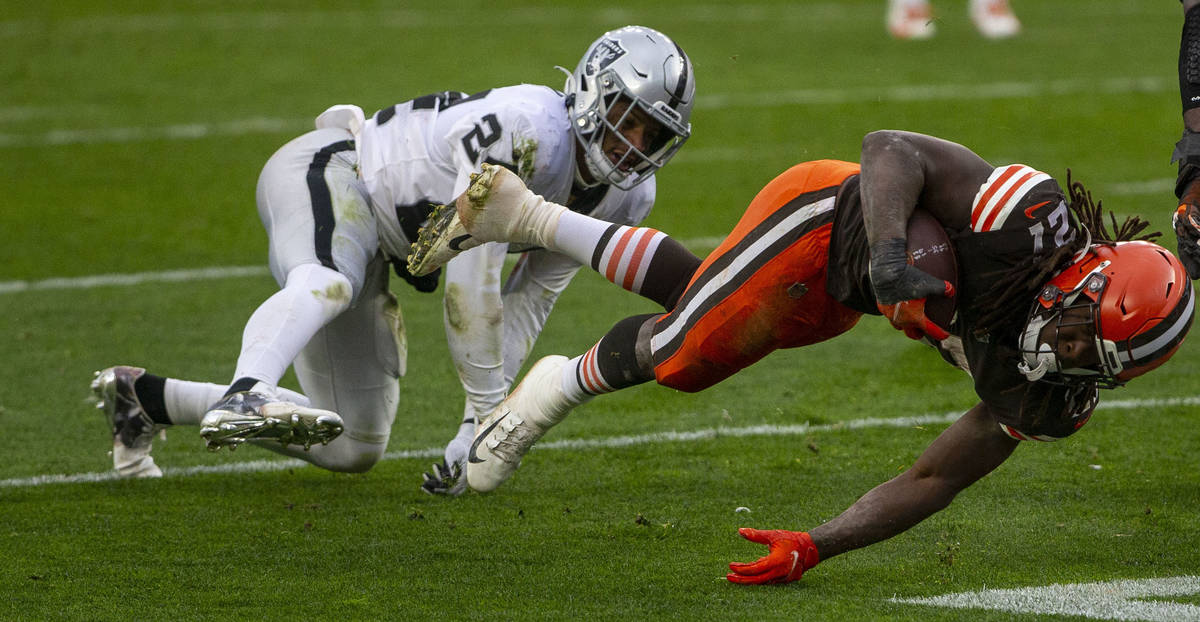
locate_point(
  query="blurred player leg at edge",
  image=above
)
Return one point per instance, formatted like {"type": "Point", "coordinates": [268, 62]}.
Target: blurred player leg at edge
{"type": "Point", "coordinates": [914, 19]}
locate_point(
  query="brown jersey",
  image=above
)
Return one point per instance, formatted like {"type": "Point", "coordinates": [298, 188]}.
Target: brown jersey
{"type": "Point", "coordinates": [1017, 212]}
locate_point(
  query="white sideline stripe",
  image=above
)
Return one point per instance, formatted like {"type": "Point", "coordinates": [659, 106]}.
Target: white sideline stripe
{"type": "Point", "coordinates": [1163, 185]}
{"type": "Point", "coordinates": [199, 274]}
{"type": "Point", "coordinates": [938, 92]}
{"type": "Point", "coordinates": [411, 19]}
{"type": "Point", "coordinates": [801, 97]}
{"type": "Point", "coordinates": [1105, 600]}
{"type": "Point", "coordinates": [404, 19]}
{"type": "Point", "coordinates": [136, 278]}
{"type": "Point", "coordinates": [186, 131]}
{"type": "Point", "coordinates": [657, 438]}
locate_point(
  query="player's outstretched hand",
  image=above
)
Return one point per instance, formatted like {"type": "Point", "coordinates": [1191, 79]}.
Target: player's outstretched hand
{"type": "Point", "coordinates": [446, 479]}
{"type": "Point", "coordinates": [895, 280]}
{"type": "Point", "coordinates": [789, 554]}
{"type": "Point", "coordinates": [1187, 232]}
{"type": "Point", "coordinates": [909, 316]}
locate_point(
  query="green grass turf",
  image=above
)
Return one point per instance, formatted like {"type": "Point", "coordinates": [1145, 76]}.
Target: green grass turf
{"type": "Point", "coordinates": [640, 532]}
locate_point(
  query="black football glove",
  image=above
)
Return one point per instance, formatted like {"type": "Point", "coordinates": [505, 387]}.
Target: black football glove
{"type": "Point", "coordinates": [1186, 219]}
{"type": "Point", "coordinates": [895, 280]}
{"type": "Point", "coordinates": [424, 284]}
{"type": "Point", "coordinates": [1187, 233]}
{"type": "Point", "coordinates": [445, 480]}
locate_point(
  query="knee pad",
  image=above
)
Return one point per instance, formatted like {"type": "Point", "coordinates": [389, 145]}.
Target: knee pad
{"type": "Point", "coordinates": [356, 456]}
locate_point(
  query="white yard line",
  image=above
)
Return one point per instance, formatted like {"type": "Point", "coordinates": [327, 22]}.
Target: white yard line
{"type": "Point", "coordinates": [658, 438]}
{"type": "Point", "coordinates": [450, 17]}
{"type": "Point", "coordinates": [800, 97]}
{"type": "Point", "coordinates": [939, 92]}
{"type": "Point", "coordinates": [1134, 599]}
{"type": "Point", "coordinates": [137, 278]}
{"type": "Point", "coordinates": [401, 19]}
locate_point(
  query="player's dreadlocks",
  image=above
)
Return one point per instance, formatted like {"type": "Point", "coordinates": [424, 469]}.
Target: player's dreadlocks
{"type": "Point", "coordinates": [1017, 288]}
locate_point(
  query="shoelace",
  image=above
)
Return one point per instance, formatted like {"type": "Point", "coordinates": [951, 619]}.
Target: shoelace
{"type": "Point", "coordinates": [516, 441]}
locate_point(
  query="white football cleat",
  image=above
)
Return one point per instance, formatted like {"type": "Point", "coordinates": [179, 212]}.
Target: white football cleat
{"type": "Point", "coordinates": [132, 428]}
{"type": "Point", "coordinates": [497, 207]}
{"type": "Point", "coordinates": [250, 415]}
{"type": "Point", "coordinates": [535, 406]}
{"type": "Point", "coordinates": [439, 241]}
{"type": "Point", "coordinates": [909, 19]}
{"type": "Point", "coordinates": [994, 19]}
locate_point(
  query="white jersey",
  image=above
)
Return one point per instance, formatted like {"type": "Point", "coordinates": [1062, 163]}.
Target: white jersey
{"type": "Point", "coordinates": [421, 153]}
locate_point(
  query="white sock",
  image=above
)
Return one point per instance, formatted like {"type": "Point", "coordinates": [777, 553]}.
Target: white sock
{"type": "Point", "coordinates": [581, 379]}
{"type": "Point", "coordinates": [578, 235]}
{"type": "Point", "coordinates": [188, 401]}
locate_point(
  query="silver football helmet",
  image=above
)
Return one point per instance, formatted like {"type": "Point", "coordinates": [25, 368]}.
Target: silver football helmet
{"type": "Point", "coordinates": [647, 69]}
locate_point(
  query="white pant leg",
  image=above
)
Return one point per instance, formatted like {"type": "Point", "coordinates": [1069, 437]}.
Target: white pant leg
{"type": "Point", "coordinates": [352, 367]}
{"type": "Point", "coordinates": [315, 208]}
{"type": "Point", "coordinates": [321, 234]}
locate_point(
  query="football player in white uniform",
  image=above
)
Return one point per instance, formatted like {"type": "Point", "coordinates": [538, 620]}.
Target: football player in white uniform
{"type": "Point", "coordinates": [343, 202]}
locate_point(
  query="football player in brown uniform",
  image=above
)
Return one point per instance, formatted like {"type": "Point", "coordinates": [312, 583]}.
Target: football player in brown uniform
{"type": "Point", "coordinates": [1050, 307]}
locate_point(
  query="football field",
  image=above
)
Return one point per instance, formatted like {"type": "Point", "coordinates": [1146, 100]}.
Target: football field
{"type": "Point", "coordinates": [131, 137]}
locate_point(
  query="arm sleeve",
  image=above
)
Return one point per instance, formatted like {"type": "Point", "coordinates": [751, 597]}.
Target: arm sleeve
{"type": "Point", "coordinates": [529, 295]}
{"type": "Point", "coordinates": [472, 318]}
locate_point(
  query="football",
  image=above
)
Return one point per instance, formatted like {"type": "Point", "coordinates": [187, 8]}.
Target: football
{"type": "Point", "coordinates": [930, 250]}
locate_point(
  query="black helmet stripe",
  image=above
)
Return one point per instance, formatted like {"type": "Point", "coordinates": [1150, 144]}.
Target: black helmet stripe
{"type": "Point", "coordinates": [1165, 335]}
{"type": "Point", "coordinates": [681, 85]}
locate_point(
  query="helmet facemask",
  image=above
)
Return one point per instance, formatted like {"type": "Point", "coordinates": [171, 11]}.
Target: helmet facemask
{"type": "Point", "coordinates": [629, 75]}
{"type": "Point", "coordinates": [1140, 304]}
{"type": "Point", "coordinates": [605, 118]}
{"type": "Point", "coordinates": [1065, 310]}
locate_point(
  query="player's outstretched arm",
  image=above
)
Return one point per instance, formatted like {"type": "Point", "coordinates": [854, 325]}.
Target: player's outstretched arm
{"type": "Point", "coordinates": [1186, 219]}
{"type": "Point", "coordinates": [969, 449]}
{"type": "Point", "coordinates": [966, 451]}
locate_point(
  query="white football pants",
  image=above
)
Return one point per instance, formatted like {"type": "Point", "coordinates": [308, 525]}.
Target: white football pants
{"type": "Point", "coordinates": [347, 347]}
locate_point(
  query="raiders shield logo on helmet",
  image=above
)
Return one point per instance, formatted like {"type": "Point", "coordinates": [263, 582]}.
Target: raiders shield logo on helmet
{"type": "Point", "coordinates": [604, 54]}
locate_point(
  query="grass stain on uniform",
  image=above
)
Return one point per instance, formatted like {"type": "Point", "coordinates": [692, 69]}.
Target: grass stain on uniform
{"type": "Point", "coordinates": [525, 154]}
{"type": "Point", "coordinates": [338, 293]}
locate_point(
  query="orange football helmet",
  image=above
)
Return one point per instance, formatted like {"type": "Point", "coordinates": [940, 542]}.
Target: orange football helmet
{"type": "Point", "coordinates": [1140, 304]}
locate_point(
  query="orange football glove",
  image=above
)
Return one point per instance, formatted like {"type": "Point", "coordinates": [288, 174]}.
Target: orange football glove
{"type": "Point", "coordinates": [909, 316]}
{"type": "Point", "coordinates": [789, 554]}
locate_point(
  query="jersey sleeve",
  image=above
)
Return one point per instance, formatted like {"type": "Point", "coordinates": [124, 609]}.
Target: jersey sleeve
{"type": "Point", "coordinates": [1027, 205]}
{"type": "Point", "coordinates": [1025, 410]}
{"type": "Point", "coordinates": [1050, 412]}
{"type": "Point", "coordinates": [1004, 192]}
{"type": "Point", "coordinates": [627, 207]}
{"type": "Point", "coordinates": [529, 295]}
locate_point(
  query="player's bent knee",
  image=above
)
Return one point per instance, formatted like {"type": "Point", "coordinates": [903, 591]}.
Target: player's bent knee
{"type": "Point", "coordinates": [354, 457]}
{"type": "Point", "coordinates": [329, 287]}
